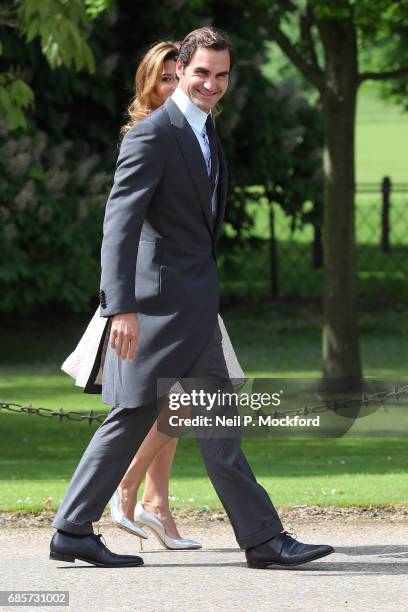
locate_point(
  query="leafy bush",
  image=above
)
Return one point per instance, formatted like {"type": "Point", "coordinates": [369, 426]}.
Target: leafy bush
{"type": "Point", "coordinates": [52, 199]}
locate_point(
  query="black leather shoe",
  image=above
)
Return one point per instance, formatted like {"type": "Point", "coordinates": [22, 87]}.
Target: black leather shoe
{"type": "Point", "coordinates": [66, 547]}
{"type": "Point", "coordinates": [285, 550]}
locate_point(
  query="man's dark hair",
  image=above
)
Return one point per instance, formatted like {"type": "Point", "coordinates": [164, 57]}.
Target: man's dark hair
{"type": "Point", "coordinates": [207, 37]}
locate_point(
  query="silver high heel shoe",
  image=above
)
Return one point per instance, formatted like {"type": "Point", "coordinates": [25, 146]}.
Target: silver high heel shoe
{"type": "Point", "coordinates": [146, 519]}
{"type": "Point", "coordinates": [121, 520]}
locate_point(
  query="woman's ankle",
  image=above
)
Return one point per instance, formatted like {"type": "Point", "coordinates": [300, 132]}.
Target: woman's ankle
{"type": "Point", "coordinates": [161, 510]}
{"type": "Point", "coordinates": [156, 506]}
{"type": "Point", "coordinates": [127, 491]}
{"type": "Point", "coordinates": [127, 504]}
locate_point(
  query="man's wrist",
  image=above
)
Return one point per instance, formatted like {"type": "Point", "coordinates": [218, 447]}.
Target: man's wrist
{"type": "Point", "coordinates": [113, 303]}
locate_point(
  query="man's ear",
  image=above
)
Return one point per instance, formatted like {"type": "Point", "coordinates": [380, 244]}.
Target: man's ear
{"type": "Point", "coordinates": [179, 68]}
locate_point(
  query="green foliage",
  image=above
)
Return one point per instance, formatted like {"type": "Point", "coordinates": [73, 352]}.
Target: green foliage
{"type": "Point", "coordinates": [61, 26]}
{"type": "Point", "coordinates": [58, 25]}
{"type": "Point", "coordinates": [392, 50]}
{"type": "Point", "coordinates": [51, 211]}
{"type": "Point", "coordinates": [369, 15]}
{"type": "Point", "coordinates": [95, 7]}
{"type": "Point", "coordinates": [15, 96]}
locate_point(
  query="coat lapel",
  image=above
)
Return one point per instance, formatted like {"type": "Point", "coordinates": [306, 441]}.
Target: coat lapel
{"type": "Point", "coordinates": [191, 151]}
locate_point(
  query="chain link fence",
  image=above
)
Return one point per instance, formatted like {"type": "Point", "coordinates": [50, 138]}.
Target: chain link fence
{"type": "Point", "coordinates": [292, 266]}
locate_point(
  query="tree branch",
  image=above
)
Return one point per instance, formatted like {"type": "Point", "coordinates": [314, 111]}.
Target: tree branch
{"type": "Point", "coordinates": [309, 69]}
{"type": "Point", "coordinates": [288, 6]}
{"type": "Point", "coordinates": [305, 28]}
{"type": "Point", "coordinates": [292, 52]}
{"type": "Point", "coordinates": [382, 76]}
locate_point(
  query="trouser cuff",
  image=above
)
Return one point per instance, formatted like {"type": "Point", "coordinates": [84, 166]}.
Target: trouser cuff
{"type": "Point", "coordinates": [273, 529]}
{"type": "Point", "coordinates": [70, 527]}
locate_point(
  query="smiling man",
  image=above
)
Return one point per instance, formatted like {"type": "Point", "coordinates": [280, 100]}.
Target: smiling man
{"type": "Point", "coordinates": [159, 285]}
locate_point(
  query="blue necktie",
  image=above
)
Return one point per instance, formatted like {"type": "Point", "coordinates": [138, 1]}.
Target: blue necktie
{"type": "Point", "coordinates": [212, 140]}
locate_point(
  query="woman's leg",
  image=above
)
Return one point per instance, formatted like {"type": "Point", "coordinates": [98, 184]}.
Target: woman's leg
{"type": "Point", "coordinates": [153, 444]}
{"type": "Point", "coordinates": [156, 491]}
{"type": "Point", "coordinates": [155, 455]}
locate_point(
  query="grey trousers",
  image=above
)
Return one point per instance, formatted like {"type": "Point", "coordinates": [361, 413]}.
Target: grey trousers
{"type": "Point", "coordinates": [114, 444]}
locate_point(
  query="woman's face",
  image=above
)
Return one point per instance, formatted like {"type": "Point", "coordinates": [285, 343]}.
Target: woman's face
{"type": "Point", "coordinates": [168, 81]}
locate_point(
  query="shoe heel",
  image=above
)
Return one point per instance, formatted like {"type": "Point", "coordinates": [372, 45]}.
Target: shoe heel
{"type": "Point", "coordinates": [60, 557]}
{"type": "Point", "coordinates": [140, 544]}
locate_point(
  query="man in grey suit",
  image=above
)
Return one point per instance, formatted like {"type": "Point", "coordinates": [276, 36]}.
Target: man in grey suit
{"type": "Point", "coordinates": [160, 286]}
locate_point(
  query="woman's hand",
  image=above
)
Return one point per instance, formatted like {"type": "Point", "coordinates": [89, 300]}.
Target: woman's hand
{"type": "Point", "coordinates": [124, 335]}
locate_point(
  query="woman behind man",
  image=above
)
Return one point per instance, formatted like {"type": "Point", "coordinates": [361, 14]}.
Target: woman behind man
{"type": "Point", "coordinates": [155, 81]}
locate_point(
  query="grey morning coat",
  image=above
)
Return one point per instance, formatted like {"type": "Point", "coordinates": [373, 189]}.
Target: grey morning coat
{"type": "Point", "coordinates": [158, 256]}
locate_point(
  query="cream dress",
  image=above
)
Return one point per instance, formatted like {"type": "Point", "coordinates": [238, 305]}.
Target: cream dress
{"type": "Point", "coordinates": [80, 362]}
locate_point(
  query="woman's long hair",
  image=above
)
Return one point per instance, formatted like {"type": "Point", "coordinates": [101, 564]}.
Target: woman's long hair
{"type": "Point", "coordinates": [147, 75]}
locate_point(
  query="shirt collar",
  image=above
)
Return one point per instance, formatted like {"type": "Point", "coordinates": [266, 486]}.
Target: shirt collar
{"type": "Point", "coordinates": [194, 115]}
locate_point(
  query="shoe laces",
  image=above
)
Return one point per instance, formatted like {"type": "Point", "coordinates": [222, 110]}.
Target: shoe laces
{"type": "Point", "coordinates": [290, 534]}
{"type": "Point", "coordinates": [100, 536]}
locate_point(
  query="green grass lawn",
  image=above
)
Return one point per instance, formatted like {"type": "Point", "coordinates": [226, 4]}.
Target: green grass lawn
{"type": "Point", "coordinates": [39, 455]}
{"type": "Point", "coordinates": [38, 458]}
{"type": "Point", "coordinates": [381, 138]}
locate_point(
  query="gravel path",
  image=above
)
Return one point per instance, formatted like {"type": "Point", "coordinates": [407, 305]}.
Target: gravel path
{"type": "Point", "coordinates": [367, 572]}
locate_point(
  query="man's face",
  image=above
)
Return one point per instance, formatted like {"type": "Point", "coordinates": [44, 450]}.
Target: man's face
{"type": "Point", "coordinates": [205, 79]}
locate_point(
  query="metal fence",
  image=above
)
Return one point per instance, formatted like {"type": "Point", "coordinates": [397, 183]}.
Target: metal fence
{"type": "Point", "coordinates": [296, 272]}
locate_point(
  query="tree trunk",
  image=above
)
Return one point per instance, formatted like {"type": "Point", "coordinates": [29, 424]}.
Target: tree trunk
{"type": "Point", "coordinates": [341, 353]}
